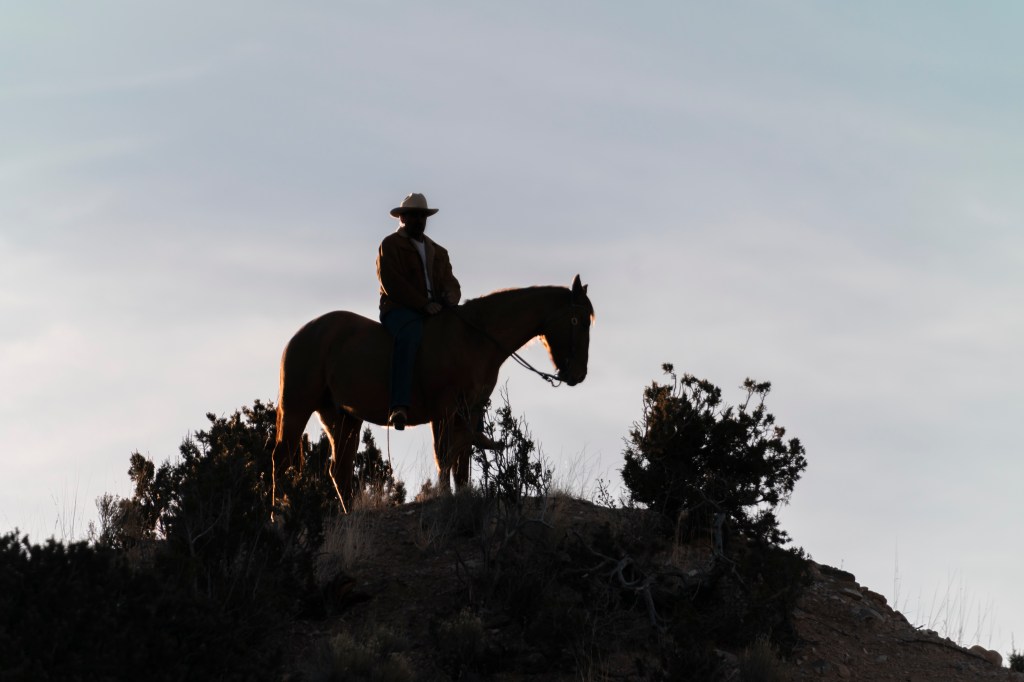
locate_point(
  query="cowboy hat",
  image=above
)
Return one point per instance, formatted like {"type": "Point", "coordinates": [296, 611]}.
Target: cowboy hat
{"type": "Point", "coordinates": [414, 203]}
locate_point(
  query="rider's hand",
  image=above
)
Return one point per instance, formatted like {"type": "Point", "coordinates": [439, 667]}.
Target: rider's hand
{"type": "Point", "coordinates": [433, 308]}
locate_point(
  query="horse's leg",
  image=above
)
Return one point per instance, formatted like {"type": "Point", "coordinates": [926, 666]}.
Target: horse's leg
{"type": "Point", "coordinates": [441, 428]}
{"type": "Point", "coordinates": [291, 422]}
{"type": "Point", "coordinates": [343, 432]}
{"type": "Point", "coordinates": [463, 433]}
{"type": "Point", "coordinates": [452, 449]}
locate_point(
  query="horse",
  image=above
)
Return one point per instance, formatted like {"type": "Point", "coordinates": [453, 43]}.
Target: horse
{"type": "Point", "coordinates": [338, 366]}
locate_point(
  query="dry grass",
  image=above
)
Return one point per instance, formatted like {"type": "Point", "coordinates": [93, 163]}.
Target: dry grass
{"type": "Point", "coordinates": [590, 666]}
{"type": "Point", "coordinates": [445, 515]}
{"type": "Point", "coordinates": [462, 639]}
{"type": "Point", "coordinates": [760, 662]}
{"type": "Point", "coordinates": [347, 541]}
{"type": "Point", "coordinates": [432, 532]}
{"type": "Point", "coordinates": [374, 658]}
{"type": "Point", "coordinates": [372, 499]}
{"type": "Point", "coordinates": [429, 491]}
{"type": "Point", "coordinates": [952, 612]}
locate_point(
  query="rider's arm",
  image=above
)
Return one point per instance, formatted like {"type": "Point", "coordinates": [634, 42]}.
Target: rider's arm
{"type": "Point", "coordinates": [447, 285]}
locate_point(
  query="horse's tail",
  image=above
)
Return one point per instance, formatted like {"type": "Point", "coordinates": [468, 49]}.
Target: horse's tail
{"type": "Point", "coordinates": [280, 401]}
{"type": "Point", "coordinates": [301, 385]}
{"type": "Point", "coordinates": [290, 423]}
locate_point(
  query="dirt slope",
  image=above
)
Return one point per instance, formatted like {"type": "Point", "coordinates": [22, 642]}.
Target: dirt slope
{"type": "Point", "coordinates": [849, 632]}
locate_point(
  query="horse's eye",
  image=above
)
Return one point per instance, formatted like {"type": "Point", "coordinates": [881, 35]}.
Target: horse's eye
{"type": "Point", "coordinates": [575, 321]}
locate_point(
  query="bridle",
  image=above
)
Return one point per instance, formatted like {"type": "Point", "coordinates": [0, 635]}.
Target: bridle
{"type": "Point", "coordinates": [574, 322]}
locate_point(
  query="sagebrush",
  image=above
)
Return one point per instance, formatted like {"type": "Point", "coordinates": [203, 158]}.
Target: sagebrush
{"type": "Point", "coordinates": [692, 454]}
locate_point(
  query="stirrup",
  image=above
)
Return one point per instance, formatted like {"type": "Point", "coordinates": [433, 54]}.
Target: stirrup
{"type": "Point", "coordinates": [398, 419]}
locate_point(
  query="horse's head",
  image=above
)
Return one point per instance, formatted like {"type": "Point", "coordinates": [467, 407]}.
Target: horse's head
{"type": "Point", "coordinates": [566, 334]}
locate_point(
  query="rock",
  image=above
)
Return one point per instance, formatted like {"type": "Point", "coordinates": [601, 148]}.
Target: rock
{"type": "Point", "coordinates": [875, 597]}
{"type": "Point", "coordinates": [843, 671]}
{"type": "Point", "coordinates": [838, 573]}
{"type": "Point", "coordinates": [850, 592]}
{"type": "Point", "coordinates": [729, 659]}
{"type": "Point", "coordinates": [868, 616]}
{"type": "Point", "coordinates": [993, 657]}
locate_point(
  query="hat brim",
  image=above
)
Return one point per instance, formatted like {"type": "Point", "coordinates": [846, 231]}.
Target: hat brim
{"type": "Point", "coordinates": [396, 212]}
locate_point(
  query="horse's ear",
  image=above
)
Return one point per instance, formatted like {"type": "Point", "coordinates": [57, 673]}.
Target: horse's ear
{"type": "Point", "coordinates": [577, 286]}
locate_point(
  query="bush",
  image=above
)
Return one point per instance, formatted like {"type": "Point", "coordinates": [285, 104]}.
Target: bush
{"type": "Point", "coordinates": [81, 612]}
{"type": "Point", "coordinates": [210, 509]}
{"type": "Point", "coordinates": [461, 643]}
{"type": "Point", "coordinates": [691, 453]}
{"type": "Point", "coordinates": [220, 478]}
{"type": "Point", "coordinates": [516, 470]}
{"type": "Point", "coordinates": [374, 477]}
{"type": "Point", "coordinates": [1016, 661]}
{"type": "Point", "coordinates": [760, 662]}
{"type": "Point", "coordinates": [187, 578]}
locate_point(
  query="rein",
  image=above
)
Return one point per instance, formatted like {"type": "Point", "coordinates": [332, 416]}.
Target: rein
{"type": "Point", "coordinates": [552, 379]}
{"type": "Point", "coordinates": [523, 362]}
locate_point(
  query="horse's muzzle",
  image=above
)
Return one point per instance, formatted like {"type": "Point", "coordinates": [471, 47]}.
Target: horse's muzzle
{"type": "Point", "coordinates": [573, 379]}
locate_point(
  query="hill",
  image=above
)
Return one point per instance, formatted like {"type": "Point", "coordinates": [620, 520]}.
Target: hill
{"type": "Point", "coordinates": [453, 587]}
{"type": "Point", "coordinates": [591, 593]}
{"type": "Point", "coordinates": [190, 579]}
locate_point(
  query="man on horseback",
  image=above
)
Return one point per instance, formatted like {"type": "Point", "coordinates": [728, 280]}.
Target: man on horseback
{"type": "Point", "coordinates": [416, 280]}
{"type": "Point", "coordinates": [334, 364]}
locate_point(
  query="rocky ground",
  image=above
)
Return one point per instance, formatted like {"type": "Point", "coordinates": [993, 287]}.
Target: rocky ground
{"type": "Point", "coordinates": [847, 631]}
{"type": "Point", "coordinates": [403, 586]}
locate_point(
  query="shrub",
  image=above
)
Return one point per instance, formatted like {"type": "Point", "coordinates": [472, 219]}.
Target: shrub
{"type": "Point", "coordinates": [218, 579]}
{"type": "Point", "coordinates": [83, 612]}
{"type": "Point", "coordinates": [692, 453]}
{"type": "Point", "coordinates": [1016, 660]}
{"type": "Point", "coordinates": [461, 642]}
{"type": "Point", "coordinates": [760, 662]}
{"type": "Point", "coordinates": [210, 508]}
{"type": "Point", "coordinates": [516, 470]}
{"type": "Point", "coordinates": [373, 480]}
{"type": "Point", "coordinates": [374, 477]}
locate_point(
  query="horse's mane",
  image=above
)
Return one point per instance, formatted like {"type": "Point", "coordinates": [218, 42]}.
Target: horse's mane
{"type": "Point", "coordinates": [481, 304]}
{"type": "Point", "coordinates": [511, 294]}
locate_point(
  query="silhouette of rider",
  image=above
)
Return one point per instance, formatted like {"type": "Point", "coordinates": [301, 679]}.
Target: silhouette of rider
{"type": "Point", "coordinates": [416, 281]}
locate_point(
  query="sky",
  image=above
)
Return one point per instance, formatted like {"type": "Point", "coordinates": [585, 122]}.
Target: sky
{"type": "Point", "coordinates": [821, 195]}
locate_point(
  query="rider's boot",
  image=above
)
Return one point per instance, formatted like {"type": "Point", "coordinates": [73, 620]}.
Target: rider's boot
{"type": "Point", "coordinates": [398, 418]}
